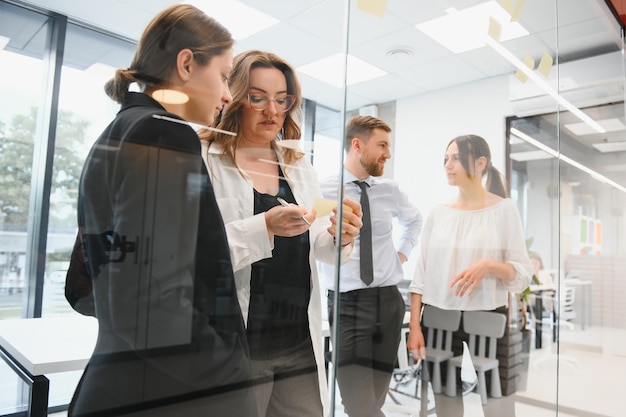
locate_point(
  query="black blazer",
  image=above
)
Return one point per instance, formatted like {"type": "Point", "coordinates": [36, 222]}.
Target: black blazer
{"type": "Point", "coordinates": [171, 337]}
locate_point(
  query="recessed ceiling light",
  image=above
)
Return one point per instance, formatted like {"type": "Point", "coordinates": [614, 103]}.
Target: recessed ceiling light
{"type": "Point", "coordinates": [400, 53]}
{"type": "Point", "coordinates": [328, 70]}
{"type": "Point", "coordinates": [241, 20]}
{"type": "Point", "coordinates": [467, 29]}
{"type": "Point", "coordinates": [610, 146]}
{"type": "Point", "coordinates": [609, 125]}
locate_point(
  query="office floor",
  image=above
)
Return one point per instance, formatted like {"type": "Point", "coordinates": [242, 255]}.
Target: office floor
{"type": "Point", "coordinates": [590, 365]}
{"type": "Point", "coordinates": [590, 382]}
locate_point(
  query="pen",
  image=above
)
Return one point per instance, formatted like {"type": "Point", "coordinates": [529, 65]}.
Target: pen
{"type": "Point", "coordinates": [286, 204]}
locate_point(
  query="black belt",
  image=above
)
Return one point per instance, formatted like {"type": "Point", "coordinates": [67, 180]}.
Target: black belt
{"type": "Point", "coordinates": [365, 292]}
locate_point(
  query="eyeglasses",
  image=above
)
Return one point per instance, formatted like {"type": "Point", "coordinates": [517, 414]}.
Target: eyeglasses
{"type": "Point", "coordinates": [259, 102]}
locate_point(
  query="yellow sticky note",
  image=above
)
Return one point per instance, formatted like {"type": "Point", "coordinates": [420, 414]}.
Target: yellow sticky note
{"type": "Point", "coordinates": [507, 5]}
{"type": "Point", "coordinates": [375, 7]}
{"type": "Point", "coordinates": [495, 29]}
{"type": "Point", "coordinates": [530, 63]}
{"type": "Point", "coordinates": [324, 206]}
{"type": "Point", "coordinates": [521, 76]}
{"type": "Point", "coordinates": [545, 64]}
{"type": "Point", "coordinates": [517, 13]}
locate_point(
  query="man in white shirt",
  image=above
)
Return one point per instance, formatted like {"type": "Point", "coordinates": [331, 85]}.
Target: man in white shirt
{"type": "Point", "coordinates": [371, 308]}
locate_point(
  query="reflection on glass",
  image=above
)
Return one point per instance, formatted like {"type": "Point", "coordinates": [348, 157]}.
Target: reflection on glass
{"type": "Point", "coordinates": [84, 112]}
{"type": "Point", "coordinates": [574, 206]}
{"type": "Point", "coordinates": [152, 253]}
{"type": "Point", "coordinates": [20, 90]}
{"type": "Point", "coordinates": [565, 211]}
{"type": "Point", "coordinates": [428, 94]}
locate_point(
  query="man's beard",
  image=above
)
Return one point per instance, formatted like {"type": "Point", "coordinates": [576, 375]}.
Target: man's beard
{"type": "Point", "coordinates": [372, 168]}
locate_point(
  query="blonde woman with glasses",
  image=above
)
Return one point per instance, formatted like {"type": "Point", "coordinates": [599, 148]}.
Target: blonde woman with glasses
{"type": "Point", "coordinates": [266, 192]}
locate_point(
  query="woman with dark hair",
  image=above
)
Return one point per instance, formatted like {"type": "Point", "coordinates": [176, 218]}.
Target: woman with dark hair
{"type": "Point", "coordinates": [274, 246]}
{"type": "Point", "coordinates": [171, 337]}
{"type": "Point", "coordinates": [473, 251]}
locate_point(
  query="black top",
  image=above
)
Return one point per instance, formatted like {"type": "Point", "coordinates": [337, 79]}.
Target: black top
{"type": "Point", "coordinates": [280, 287]}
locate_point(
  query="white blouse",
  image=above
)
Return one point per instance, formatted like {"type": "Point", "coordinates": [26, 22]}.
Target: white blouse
{"type": "Point", "coordinates": [453, 240]}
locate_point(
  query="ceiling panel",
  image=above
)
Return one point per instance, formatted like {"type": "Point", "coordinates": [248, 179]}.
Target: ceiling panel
{"type": "Point", "coordinates": [311, 29]}
{"type": "Point", "coordinates": [443, 73]}
{"type": "Point", "coordinates": [273, 40]}
{"type": "Point", "coordinates": [422, 47]}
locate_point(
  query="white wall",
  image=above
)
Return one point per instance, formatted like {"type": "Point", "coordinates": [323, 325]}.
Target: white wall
{"type": "Point", "coordinates": [426, 123]}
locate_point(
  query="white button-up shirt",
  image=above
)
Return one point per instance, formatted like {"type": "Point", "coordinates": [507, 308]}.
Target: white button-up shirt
{"type": "Point", "coordinates": [387, 202]}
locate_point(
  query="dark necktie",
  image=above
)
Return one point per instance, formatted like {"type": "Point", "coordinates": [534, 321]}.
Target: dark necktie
{"type": "Point", "coordinates": [367, 266]}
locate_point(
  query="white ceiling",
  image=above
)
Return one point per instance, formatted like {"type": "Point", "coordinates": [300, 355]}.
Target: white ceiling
{"type": "Point", "coordinates": [312, 29]}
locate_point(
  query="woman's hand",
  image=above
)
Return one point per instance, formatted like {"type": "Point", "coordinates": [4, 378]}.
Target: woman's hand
{"type": "Point", "coordinates": [416, 344]}
{"type": "Point", "coordinates": [468, 279]}
{"type": "Point", "coordinates": [402, 257]}
{"type": "Point", "coordinates": [287, 221]}
{"type": "Point", "coordinates": [351, 224]}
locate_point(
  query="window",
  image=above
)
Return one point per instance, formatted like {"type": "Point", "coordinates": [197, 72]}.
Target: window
{"type": "Point", "coordinates": [90, 59]}
{"type": "Point", "coordinates": [23, 35]}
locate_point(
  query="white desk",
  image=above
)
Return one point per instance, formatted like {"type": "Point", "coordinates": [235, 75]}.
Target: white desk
{"type": "Point", "coordinates": [35, 347]}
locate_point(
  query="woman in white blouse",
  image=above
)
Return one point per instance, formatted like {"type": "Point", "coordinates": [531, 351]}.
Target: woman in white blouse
{"type": "Point", "coordinates": [274, 248]}
{"type": "Point", "coordinates": [473, 251]}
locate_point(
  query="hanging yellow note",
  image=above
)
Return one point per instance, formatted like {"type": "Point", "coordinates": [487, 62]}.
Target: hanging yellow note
{"type": "Point", "coordinates": [375, 7]}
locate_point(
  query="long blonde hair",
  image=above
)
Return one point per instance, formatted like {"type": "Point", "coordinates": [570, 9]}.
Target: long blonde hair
{"type": "Point", "coordinates": [230, 119]}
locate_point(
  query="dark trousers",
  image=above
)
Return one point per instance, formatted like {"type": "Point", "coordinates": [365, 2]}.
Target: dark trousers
{"type": "Point", "coordinates": [369, 326]}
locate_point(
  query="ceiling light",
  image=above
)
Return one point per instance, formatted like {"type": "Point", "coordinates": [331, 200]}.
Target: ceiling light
{"type": "Point", "coordinates": [4, 41]}
{"type": "Point", "coordinates": [467, 29]}
{"type": "Point", "coordinates": [496, 46]}
{"type": "Point", "coordinates": [567, 160]}
{"type": "Point", "coordinates": [609, 125]}
{"type": "Point", "coordinates": [399, 53]}
{"type": "Point", "coordinates": [328, 70]}
{"type": "Point", "coordinates": [241, 20]}
{"type": "Point", "coordinates": [529, 156]}
{"type": "Point", "coordinates": [610, 146]}
{"type": "Point", "coordinates": [167, 96]}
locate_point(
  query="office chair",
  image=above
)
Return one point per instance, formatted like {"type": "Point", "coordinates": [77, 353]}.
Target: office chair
{"type": "Point", "coordinates": [484, 329]}
{"type": "Point", "coordinates": [440, 324]}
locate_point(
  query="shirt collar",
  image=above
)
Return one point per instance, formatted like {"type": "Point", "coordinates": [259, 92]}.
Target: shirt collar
{"type": "Point", "coordinates": [349, 177]}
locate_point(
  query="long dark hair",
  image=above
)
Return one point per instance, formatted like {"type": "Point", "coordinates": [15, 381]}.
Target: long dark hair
{"type": "Point", "coordinates": [472, 147]}
{"type": "Point", "coordinates": [178, 27]}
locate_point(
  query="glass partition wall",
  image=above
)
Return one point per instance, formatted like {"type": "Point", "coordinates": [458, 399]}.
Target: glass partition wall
{"type": "Point", "coordinates": [547, 95]}
{"type": "Point", "coordinates": [541, 81]}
